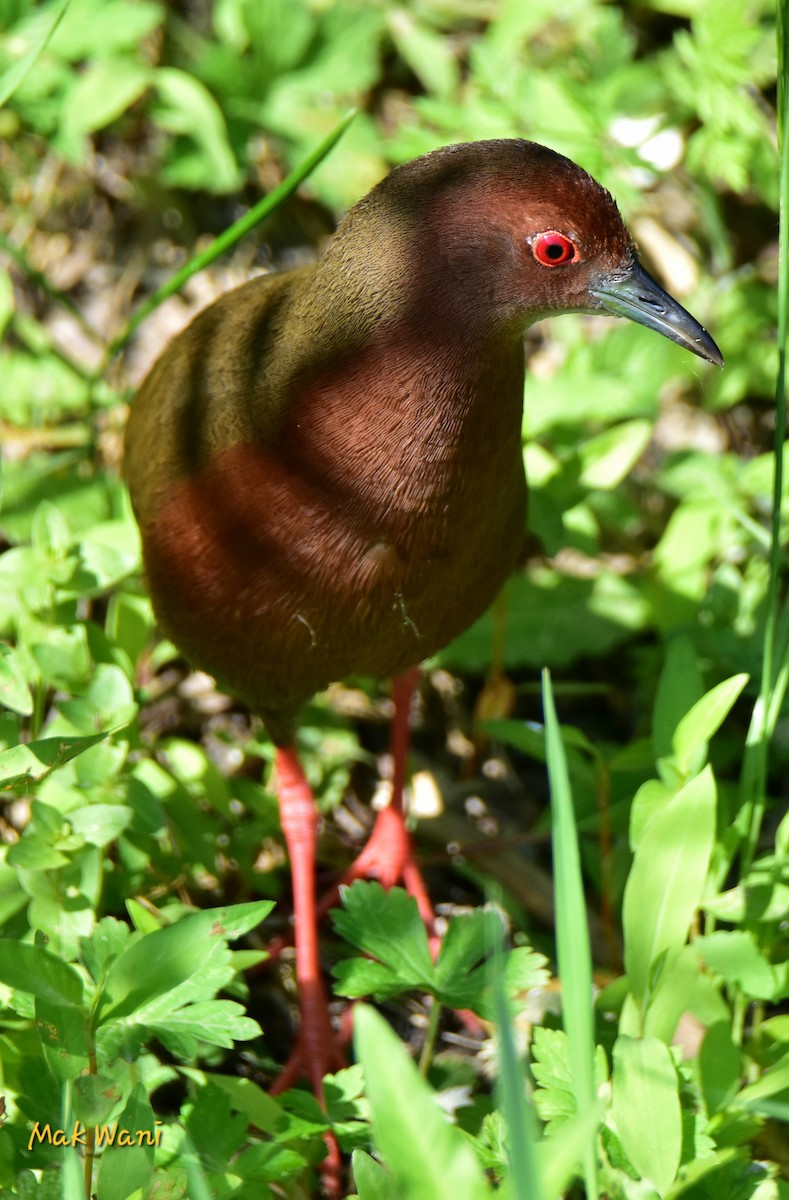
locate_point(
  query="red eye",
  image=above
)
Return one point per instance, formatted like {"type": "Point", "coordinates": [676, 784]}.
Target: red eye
{"type": "Point", "coordinates": [554, 249]}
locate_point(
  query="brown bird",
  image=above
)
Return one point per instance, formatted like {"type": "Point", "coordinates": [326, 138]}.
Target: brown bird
{"type": "Point", "coordinates": [326, 464]}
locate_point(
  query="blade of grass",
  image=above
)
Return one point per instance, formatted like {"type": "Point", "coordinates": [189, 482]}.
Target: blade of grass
{"type": "Point", "coordinates": [519, 1121]}
{"type": "Point", "coordinates": [754, 774]}
{"type": "Point", "coordinates": [572, 934]}
{"type": "Point", "coordinates": [16, 74]}
{"type": "Point", "coordinates": [40, 280]}
{"type": "Point", "coordinates": [228, 239]}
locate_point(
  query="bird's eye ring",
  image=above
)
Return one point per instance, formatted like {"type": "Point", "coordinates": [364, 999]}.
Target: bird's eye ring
{"type": "Point", "coordinates": [554, 249]}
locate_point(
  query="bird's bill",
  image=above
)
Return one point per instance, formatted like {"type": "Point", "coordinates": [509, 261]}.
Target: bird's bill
{"type": "Point", "coordinates": [637, 296]}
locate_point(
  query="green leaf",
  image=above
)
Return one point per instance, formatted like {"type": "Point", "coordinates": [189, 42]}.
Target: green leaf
{"type": "Point", "coordinates": [94, 1098]}
{"type": "Point", "coordinates": [679, 687]}
{"type": "Point", "coordinates": [607, 457]}
{"type": "Point", "coordinates": [648, 800]}
{"type": "Point", "coordinates": [737, 956]}
{"type": "Point", "coordinates": [15, 75]}
{"type": "Point", "coordinates": [428, 54]}
{"type": "Point", "coordinates": [103, 92]}
{"type": "Point", "coordinates": [107, 27]}
{"type": "Point", "coordinates": [704, 719]}
{"type": "Point", "coordinates": [372, 1181]}
{"type": "Point", "coordinates": [260, 1109]}
{"type": "Point", "coordinates": [554, 1096]}
{"type": "Point", "coordinates": [127, 1165]}
{"type": "Point", "coordinates": [63, 1033]}
{"type": "Point", "coordinates": [386, 925]}
{"type": "Point", "coordinates": [666, 882]}
{"type": "Point", "coordinates": [15, 691]}
{"type": "Point", "coordinates": [160, 961]}
{"type": "Point", "coordinates": [773, 1082]}
{"type": "Point", "coordinates": [34, 761]}
{"type": "Point", "coordinates": [646, 1108]}
{"type": "Point", "coordinates": [218, 1022]}
{"type": "Point", "coordinates": [188, 108]}
{"type": "Point", "coordinates": [720, 1067]}
{"type": "Point", "coordinates": [101, 824]}
{"type": "Point", "coordinates": [33, 969]}
{"type": "Point", "coordinates": [428, 1158]}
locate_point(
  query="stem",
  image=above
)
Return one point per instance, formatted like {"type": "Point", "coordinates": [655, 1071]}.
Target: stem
{"type": "Point", "coordinates": [229, 238]}
{"type": "Point", "coordinates": [429, 1044]}
{"type": "Point", "coordinates": [90, 1133]}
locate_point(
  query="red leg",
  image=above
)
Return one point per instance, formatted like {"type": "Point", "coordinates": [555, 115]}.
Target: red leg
{"type": "Point", "coordinates": [388, 855]}
{"type": "Point", "coordinates": [317, 1050]}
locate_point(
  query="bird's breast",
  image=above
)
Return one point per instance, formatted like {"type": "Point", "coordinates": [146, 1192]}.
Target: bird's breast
{"type": "Point", "coordinates": [378, 524]}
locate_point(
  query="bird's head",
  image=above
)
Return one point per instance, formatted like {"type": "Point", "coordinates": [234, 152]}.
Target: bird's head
{"type": "Point", "coordinates": [515, 232]}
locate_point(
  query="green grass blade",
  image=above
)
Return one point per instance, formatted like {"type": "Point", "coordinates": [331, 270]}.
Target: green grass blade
{"type": "Point", "coordinates": [525, 1176]}
{"type": "Point", "coordinates": [754, 774]}
{"type": "Point", "coordinates": [15, 75]}
{"type": "Point", "coordinates": [572, 935]}
{"type": "Point", "coordinates": [237, 230]}
{"type": "Point", "coordinates": [429, 1159]}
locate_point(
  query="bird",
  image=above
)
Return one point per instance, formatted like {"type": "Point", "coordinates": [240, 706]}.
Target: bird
{"type": "Point", "coordinates": [326, 464]}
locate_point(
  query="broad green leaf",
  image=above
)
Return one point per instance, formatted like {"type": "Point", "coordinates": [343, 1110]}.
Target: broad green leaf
{"type": "Point", "coordinates": [188, 108]}
{"type": "Point", "coordinates": [218, 1022]}
{"type": "Point", "coordinates": [556, 619]}
{"type": "Point", "coordinates": [702, 721]}
{"type": "Point", "coordinates": [162, 960]}
{"type": "Point", "coordinates": [33, 969]}
{"type": "Point", "coordinates": [101, 824]}
{"type": "Point", "coordinates": [372, 1181]}
{"type": "Point", "coordinates": [34, 761]}
{"type": "Point", "coordinates": [666, 882]}
{"type": "Point", "coordinates": [268, 1162]}
{"type": "Point", "coordinates": [681, 988]}
{"type": "Point", "coordinates": [15, 691]}
{"type": "Point", "coordinates": [558, 1156]}
{"type": "Point", "coordinates": [126, 1165]}
{"type": "Point", "coordinates": [648, 800]}
{"type": "Point", "coordinates": [720, 1067]}
{"type": "Point", "coordinates": [386, 925]}
{"type": "Point", "coordinates": [646, 1108]}
{"type": "Point", "coordinates": [428, 1158]}
{"type": "Point", "coordinates": [774, 1081]}
{"type": "Point", "coordinates": [607, 457]}
{"type": "Point", "coordinates": [108, 26]}
{"type": "Point", "coordinates": [63, 1034]}
{"type": "Point", "coordinates": [103, 92]}
{"type": "Point", "coordinates": [429, 55]}
{"type": "Point", "coordinates": [738, 957]}
{"type": "Point", "coordinates": [554, 1095]}
{"type": "Point", "coordinates": [94, 1098]}
{"type": "Point", "coordinates": [679, 687]}
{"type": "Point", "coordinates": [260, 1109]}
{"type": "Point", "coordinates": [357, 977]}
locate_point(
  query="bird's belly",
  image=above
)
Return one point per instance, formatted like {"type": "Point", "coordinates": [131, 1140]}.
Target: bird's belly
{"type": "Point", "coordinates": [277, 589]}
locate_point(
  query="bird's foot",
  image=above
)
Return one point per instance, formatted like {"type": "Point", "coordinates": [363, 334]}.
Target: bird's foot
{"type": "Point", "coordinates": [317, 1052]}
{"type": "Point", "coordinates": [389, 858]}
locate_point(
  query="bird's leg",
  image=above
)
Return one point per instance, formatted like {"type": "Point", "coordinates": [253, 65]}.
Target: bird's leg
{"type": "Point", "coordinates": [317, 1050]}
{"type": "Point", "coordinates": [388, 855]}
